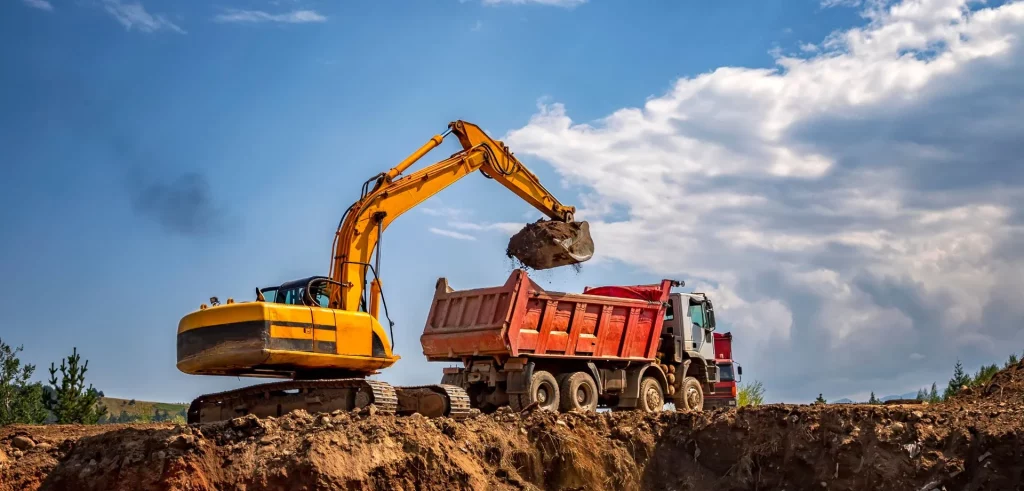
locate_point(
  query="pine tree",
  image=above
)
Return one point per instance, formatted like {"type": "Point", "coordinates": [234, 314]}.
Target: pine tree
{"type": "Point", "coordinates": [873, 399]}
{"type": "Point", "coordinates": [820, 399]}
{"type": "Point", "coordinates": [933, 395]}
{"type": "Point", "coordinates": [984, 374]}
{"type": "Point", "coordinates": [1012, 361]}
{"type": "Point", "coordinates": [20, 401]}
{"type": "Point", "coordinates": [71, 401]}
{"type": "Point", "coordinates": [921, 395]}
{"type": "Point", "coordinates": [959, 380]}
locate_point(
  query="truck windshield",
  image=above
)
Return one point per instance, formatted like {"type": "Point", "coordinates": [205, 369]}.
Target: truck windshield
{"type": "Point", "coordinates": [725, 372]}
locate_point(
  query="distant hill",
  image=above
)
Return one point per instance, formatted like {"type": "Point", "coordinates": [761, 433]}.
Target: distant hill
{"type": "Point", "coordinates": [843, 401]}
{"type": "Point", "coordinates": [131, 410]}
{"type": "Point", "coordinates": [908, 395]}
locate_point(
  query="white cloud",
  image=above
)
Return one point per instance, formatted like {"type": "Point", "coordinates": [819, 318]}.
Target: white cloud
{"type": "Point", "coordinates": [446, 212]}
{"type": "Point", "coordinates": [259, 16]}
{"type": "Point", "coordinates": [451, 233]}
{"type": "Point", "coordinates": [552, 3]}
{"type": "Point", "coordinates": [840, 3]}
{"type": "Point", "coordinates": [135, 16]}
{"type": "Point", "coordinates": [39, 4]}
{"type": "Point", "coordinates": [507, 227]}
{"type": "Point", "coordinates": [858, 201]}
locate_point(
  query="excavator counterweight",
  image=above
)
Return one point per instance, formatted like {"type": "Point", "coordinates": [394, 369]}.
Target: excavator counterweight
{"type": "Point", "coordinates": [324, 333]}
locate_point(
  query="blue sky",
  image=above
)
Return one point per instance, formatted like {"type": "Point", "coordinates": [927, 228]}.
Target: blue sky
{"type": "Point", "coordinates": [158, 153]}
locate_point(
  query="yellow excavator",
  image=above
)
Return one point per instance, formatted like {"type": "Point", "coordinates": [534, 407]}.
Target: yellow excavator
{"type": "Point", "coordinates": [324, 333]}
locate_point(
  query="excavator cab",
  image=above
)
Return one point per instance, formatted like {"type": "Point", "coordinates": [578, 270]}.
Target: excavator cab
{"type": "Point", "coordinates": [307, 291]}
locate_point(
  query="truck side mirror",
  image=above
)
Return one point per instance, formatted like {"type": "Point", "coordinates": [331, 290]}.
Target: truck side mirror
{"type": "Point", "coordinates": [711, 318]}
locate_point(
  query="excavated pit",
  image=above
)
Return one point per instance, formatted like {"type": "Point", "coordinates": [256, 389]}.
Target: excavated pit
{"type": "Point", "coordinates": [973, 442]}
{"type": "Point", "coordinates": [547, 244]}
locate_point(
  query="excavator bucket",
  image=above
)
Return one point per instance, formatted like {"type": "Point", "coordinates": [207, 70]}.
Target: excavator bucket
{"type": "Point", "coordinates": [550, 244]}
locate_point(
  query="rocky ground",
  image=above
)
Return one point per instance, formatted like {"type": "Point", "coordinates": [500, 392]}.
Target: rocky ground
{"type": "Point", "coordinates": [975, 441]}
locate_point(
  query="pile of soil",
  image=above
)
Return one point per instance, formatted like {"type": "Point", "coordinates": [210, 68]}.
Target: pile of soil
{"type": "Point", "coordinates": [841, 447]}
{"type": "Point", "coordinates": [547, 244]}
{"type": "Point", "coordinates": [1007, 385]}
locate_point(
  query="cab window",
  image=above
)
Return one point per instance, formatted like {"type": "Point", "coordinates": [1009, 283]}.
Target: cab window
{"type": "Point", "coordinates": [291, 296]}
{"type": "Point", "coordinates": [670, 311]}
{"type": "Point", "coordinates": [697, 314]}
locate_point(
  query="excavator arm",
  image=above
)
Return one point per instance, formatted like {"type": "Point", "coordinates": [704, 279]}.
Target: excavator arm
{"type": "Point", "coordinates": [392, 194]}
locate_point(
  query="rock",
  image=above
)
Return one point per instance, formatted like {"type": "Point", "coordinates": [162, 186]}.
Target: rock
{"type": "Point", "coordinates": [181, 442]}
{"type": "Point", "coordinates": [17, 453]}
{"type": "Point", "coordinates": [43, 447]}
{"type": "Point", "coordinates": [324, 421]}
{"type": "Point", "coordinates": [21, 442]}
{"type": "Point", "coordinates": [3, 458]}
{"type": "Point", "coordinates": [371, 410]}
{"type": "Point", "coordinates": [561, 423]}
{"type": "Point", "coordinates": [897, 427]}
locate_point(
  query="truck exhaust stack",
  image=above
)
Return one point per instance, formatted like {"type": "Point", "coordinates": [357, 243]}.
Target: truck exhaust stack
{"type": "Point", "coordinates": [547, 244]}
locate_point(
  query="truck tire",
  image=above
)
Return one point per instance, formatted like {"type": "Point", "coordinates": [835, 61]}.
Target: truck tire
{"type": "Point", "coordinates": [578, 391]}
{"type": "Point", "coordinates": [689, 395]}
{"type": "Point", "coordinates": [543, 390]}
{"type": "Point", "coordinates": [652, 397]}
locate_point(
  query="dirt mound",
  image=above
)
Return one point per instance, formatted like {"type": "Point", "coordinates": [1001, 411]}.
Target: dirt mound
{"type": "Point", "coordinates": [845, 447]}
{"type": "Point", "coordinates": [1007, 385]}
{"type": "Point", "coordinates": [547, 244]}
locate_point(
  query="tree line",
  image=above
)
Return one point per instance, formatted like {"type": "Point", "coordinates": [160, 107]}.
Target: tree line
{"type": "Point", "coordinates": [66, 399]}
{"type": "Point", "coordinates": [752, 394]}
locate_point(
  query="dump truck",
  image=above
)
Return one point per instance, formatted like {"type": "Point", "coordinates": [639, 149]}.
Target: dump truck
{"type": "Point", "coordinates": [325, 335]}
{"type": "Point", "coordinates": [616, 347]}
{"type": "Point", "coordinates": [730, 374]}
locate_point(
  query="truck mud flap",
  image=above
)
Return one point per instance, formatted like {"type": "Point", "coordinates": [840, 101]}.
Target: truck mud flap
{"type": "Point", "coordinates": [519, 380]}
{"type": "Point", "coordinates": [597, 377]}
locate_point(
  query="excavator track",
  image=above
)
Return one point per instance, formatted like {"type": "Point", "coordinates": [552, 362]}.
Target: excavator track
{"type": "Point", "coordinates": [441, 400]}
{"type": "Point", "coordinates": [279, 398]}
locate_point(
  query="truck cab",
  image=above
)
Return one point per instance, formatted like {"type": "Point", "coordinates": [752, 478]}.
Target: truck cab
{"type": "Point", "coordinates": [688, 338]}
{"type": "Point", "coordinates": [730, 374]}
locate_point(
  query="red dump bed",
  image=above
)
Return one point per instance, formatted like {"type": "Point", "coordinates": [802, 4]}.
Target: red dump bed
{"type": "Point", "coordinates": [520, 318]}
{"type": "Point", "coordinates": [723, 347]}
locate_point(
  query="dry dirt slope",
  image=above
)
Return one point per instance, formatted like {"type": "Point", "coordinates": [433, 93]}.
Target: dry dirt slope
{"type": "Point", "coordinates": [973, 442]}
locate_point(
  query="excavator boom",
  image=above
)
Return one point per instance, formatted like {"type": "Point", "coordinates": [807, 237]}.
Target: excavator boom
{"type": "Point", "coordinates": [391, 196]}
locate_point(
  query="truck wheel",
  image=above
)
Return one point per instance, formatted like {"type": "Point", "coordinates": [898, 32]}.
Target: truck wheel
{"type": "Point", "coordinates": [689, 395]}
{"type": "Point", "coordinates": [578, 391]}
{"type": "Point", "coordinates": [543, 390]}
{"type": "Point", "coordinates": [652, 398]}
